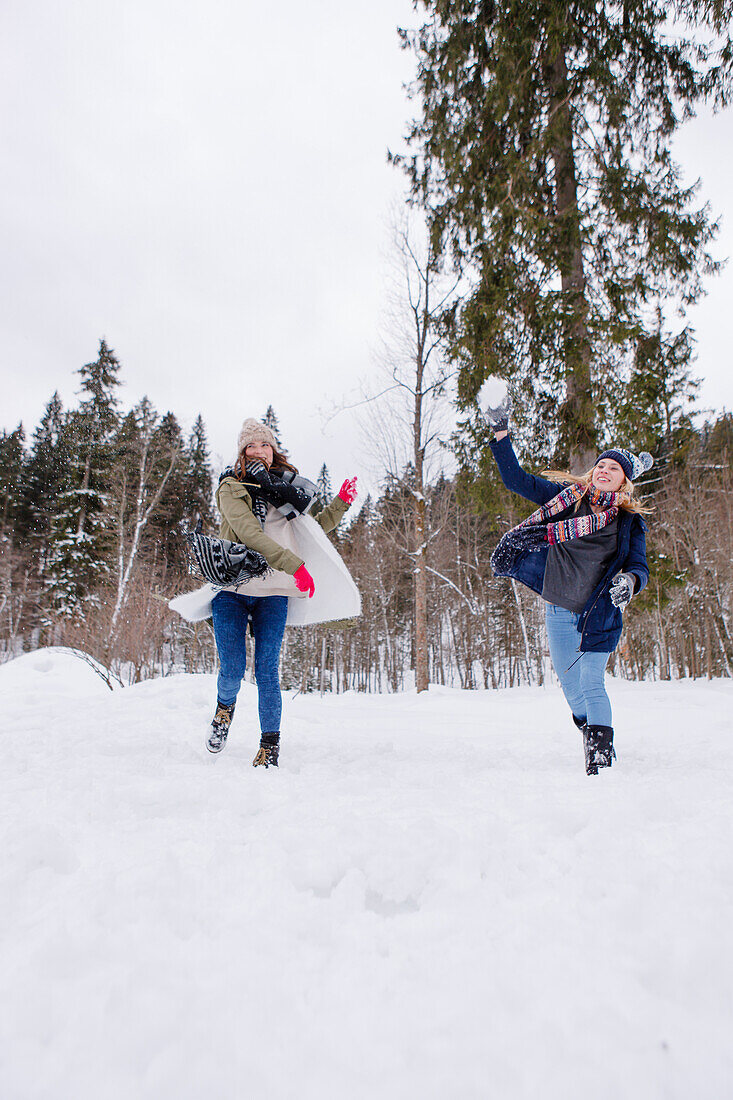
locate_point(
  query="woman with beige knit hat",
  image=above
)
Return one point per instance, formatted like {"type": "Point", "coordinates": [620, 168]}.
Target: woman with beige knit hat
{"type": "Point", "coordinates": [263, 505]}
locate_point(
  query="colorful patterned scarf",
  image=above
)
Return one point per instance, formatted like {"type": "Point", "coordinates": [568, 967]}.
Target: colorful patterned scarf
{"type": "Point", "coordinates": [537, 529]}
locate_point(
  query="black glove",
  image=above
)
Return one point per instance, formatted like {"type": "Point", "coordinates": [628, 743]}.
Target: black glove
{"type": "Point", "coordinates": [497, 417]}
{"type": "Point", "coordinates": [277, 490]}
{"type": "Point", "coordinates": [257, 470]}
{"type": "Point", "coordinates": [622, 589]}
{"type": "Point", "coordinates": [291, 494]}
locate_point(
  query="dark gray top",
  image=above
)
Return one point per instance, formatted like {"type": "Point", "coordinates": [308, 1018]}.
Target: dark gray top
{"type": "Point", "coordinates": [575, 567]}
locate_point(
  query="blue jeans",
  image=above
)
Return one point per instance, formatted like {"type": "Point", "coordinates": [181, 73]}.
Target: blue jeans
{"type": "Point", "coordinates": [581, 675]}
{"type": "Point", "coordinates": [231, 613]}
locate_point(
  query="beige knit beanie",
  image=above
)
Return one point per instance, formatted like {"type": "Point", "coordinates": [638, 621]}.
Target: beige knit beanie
{"type": "Point", "coordinates": [254, 431]}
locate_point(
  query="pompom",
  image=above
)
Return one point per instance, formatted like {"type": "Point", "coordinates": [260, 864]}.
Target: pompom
{"type": "Point", "coordinates": [646, 461]}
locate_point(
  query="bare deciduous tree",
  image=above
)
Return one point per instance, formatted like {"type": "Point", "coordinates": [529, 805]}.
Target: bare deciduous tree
{"type": "Point", "coordinates": [407, 414]}
{"type": "Point", "coordinates": [143, 478]}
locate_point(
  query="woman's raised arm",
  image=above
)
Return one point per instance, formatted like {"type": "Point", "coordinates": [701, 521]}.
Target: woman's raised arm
{"type": "Point", "coordinates": [537, 489]}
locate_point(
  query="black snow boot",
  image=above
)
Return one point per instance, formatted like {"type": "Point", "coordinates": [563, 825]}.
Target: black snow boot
{"type": "Point", "coordinates": [220, 726]}
{"type": "Point", "coordinates": [268, 752]}
{"type": "Point", "coordinates": [579, 722]}
{"type": "Point", "coordinates": [598, 745]}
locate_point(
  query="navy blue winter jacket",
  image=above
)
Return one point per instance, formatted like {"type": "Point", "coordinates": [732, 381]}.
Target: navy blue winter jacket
{"type": "Point", "coordinates": [600, 623]}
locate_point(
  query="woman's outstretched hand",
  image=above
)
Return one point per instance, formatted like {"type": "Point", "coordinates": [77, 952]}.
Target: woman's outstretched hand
{"type": "Point", "coordinates": [348, 490]}
{"type": "Point", "coordinates": [497, 416]}
{"type": "Point", "coordinates": [304, 582]}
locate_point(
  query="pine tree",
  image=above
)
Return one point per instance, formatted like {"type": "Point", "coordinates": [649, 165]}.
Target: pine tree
{"type": "Point", "coordinates": [12, 457]}
{"type": "Point", "coordinates": [543, 155]}
{"type": "Point", "coordinates": [717, 443]}
{"type": "Point", "coordinates": [324, 492]}
{"type": "Point", "coordinates": [12, 460]}
{"type": "Point", "coordinates": [166, 440]}
{"type": "Point", "coordinates": [48, 474]}
{"type": "Point", "coordinates": [198, 478]}
{"type": "Point", "coordinates": [654, 410]}
{"type": "Point", "coordinates": [271, 420]}
{"type": "Point", "coordinates": [80, 542]}
{"type": "Point", "coordinates": [170, 515]}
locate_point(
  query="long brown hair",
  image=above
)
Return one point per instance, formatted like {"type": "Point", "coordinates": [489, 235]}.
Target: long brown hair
{"type": "Point", "coordinates": [626, 501]}
{"type": "Point", "coordinates": [279, 462]}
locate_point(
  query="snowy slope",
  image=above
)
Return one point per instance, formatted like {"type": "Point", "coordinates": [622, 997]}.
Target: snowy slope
{"type": "Point", "coordinates": [430, 899]}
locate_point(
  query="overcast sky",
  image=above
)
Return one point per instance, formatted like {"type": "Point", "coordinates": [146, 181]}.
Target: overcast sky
{"type": "Point", "coordinates": [206, 187]}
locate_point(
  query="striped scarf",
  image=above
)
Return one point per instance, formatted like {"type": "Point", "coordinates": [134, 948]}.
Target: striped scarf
{"type": "Point", "coordinates": [257, 494]}
{"type": "Point", "coordinates": [221, 562]}
{"type": "Point", "coordinates": [538, 528]}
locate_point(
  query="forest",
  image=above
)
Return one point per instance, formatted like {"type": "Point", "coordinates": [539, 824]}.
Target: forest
{"type": "Point", "coordinates": [95, 504]}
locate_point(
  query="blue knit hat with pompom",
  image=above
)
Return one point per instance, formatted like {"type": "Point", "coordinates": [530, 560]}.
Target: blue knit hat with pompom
{"type": "Point", "coordinates": [632, 465]}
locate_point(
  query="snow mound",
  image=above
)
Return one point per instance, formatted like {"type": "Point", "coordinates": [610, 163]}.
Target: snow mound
{"type": "Point", "coordinates": [53, 672]}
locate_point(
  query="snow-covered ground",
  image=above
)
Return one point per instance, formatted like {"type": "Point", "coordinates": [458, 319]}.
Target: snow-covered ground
{"type": "Point", "coordinates": [429, 899]}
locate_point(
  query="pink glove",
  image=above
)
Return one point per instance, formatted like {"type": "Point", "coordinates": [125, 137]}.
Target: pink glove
{"type": "Point", "coordinates": [347, 492]}
{"type": "Point", "coordinates": [304, 582]}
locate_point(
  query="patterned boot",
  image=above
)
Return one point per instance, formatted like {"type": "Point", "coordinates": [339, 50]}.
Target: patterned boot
{"type": "Point", "coordinates": [268, 752]}
{"type": "Point", "coordinates": [220, 726]}
{"type": "Point", "coordinates": [598, 746]}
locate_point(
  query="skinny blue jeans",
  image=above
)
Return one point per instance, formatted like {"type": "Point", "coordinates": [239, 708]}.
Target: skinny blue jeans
{"type": "Point", "coordinates": [231, 614]}
{"type": "Point", "coordinates": [581, 675]}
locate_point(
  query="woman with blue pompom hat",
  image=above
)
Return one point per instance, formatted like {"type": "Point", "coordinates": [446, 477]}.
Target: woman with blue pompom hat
{"type": "Point", "coordinates": [584, 551]}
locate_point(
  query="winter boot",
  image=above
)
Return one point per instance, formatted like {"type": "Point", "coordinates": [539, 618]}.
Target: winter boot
{"type": "Point", "coordinates": [579, 722]}
{"type": "Point", "coordinates": [220, 726]}
{"type": "Point", "coordinates": [268, 752]}
{"type": "Point", "coordinates": [598, 745]}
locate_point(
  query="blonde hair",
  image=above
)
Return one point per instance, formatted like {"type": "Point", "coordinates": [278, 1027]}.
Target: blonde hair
{"type": "Point", "coordinates": [626, 501]}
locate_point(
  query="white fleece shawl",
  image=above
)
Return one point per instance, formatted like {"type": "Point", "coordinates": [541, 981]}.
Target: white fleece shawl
{"type": "Point", "coordinates": [336, 596]}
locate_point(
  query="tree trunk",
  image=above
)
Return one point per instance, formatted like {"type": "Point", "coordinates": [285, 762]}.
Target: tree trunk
{"type": "Point", "coordinates": [421, 601]}
{"type": "Point", "coordinates": [525, 638]}
{"type": "Point", "coordinates": [578, 438]}
{"type": "Point", "coordinates": [84, 487]}
{"type": "Point", "coordinates": [422, 678]}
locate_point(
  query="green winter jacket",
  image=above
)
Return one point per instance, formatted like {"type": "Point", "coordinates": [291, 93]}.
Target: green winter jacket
{"type": "Point", "coordinates": [239, 524]}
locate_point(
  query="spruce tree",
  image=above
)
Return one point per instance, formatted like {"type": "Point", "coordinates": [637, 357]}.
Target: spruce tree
{"type": "Point", "coordinates": [198, 477]}
{"type": "Point", "coordinates": [12, 461]}
{"type": "Point", "coordinates": [167, 440]}
{"type": "Point", "coordinates": [80, 541]}
{"type": "Point", "coordinates": [655, 409]}
{"type": "Point", "coordinates": [169, 517]}
{"type": "Point", "coordinates": [324, 492]}
{"type": "Point", "coordinates": [717, 443]}
{"type": "Point", "coordinates": [543, 156]}
{"type": "Point", "coordinates": [12, 458]}
{"type": "Point", "coordinates": [270, 418]}
{"type": "Point", "coordinates": [48, 474]}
